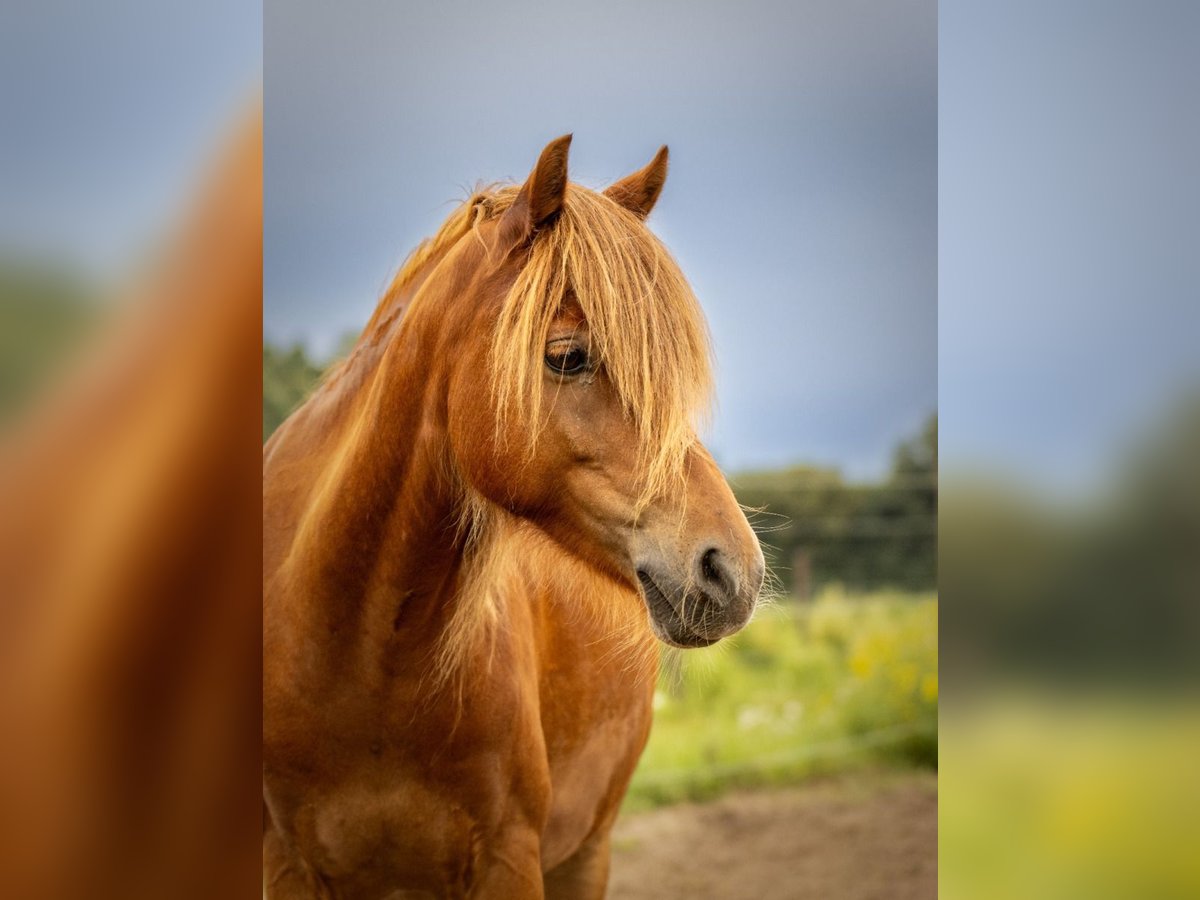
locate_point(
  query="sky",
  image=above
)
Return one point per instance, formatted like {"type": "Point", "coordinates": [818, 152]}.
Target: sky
{"type": "Point", "coordinates": [1069, 233]}
{"type": "Point", "coordinates": [801, 202]}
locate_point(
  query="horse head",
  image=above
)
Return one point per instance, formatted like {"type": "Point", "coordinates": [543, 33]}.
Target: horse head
{"type": "Point", "coordinates": [576, 361]}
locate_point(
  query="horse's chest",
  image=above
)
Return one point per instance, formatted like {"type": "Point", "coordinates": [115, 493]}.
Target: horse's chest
{"type": "Point", "coordinates": [430, 817]}
{"type": "Point", "coordinates": [591, 751]}
{"type": "Point", "coordinates": [404, 834]}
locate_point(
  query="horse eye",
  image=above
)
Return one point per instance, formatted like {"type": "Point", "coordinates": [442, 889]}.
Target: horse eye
{"type": "Point", "coordinates": [567, 360]}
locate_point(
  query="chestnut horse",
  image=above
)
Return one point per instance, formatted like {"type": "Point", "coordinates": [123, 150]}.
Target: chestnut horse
{"type": "Point", "coordinates": [472, 533]}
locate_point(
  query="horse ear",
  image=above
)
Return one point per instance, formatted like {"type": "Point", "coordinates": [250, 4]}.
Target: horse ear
{"type": "Point", "coordinates": [639, 192]}
{"type": "Point", "coordinates": [541, 197]}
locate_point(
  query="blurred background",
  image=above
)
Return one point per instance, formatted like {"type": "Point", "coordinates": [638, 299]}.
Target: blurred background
{"type": "Point", "coordinates": [1069, 330]}
{"type": "Point", "coordinates": [802, 206]}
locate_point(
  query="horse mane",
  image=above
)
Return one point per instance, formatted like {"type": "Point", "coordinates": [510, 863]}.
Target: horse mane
{"type": "Point", "coordinates": [646, 326]}
{"type": "Point", "coordinates": [457, 225]}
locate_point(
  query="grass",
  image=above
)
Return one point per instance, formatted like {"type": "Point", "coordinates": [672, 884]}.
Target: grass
{"type": "Point", "coordinates": [1080, 794]}
{"type": "Point", "coordinates": [841, 683]}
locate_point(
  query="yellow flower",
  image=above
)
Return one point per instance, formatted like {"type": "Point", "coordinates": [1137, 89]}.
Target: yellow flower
{"type": "Point", "coordinates": [861, 663]}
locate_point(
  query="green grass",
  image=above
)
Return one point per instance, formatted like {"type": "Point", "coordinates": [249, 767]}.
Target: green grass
{"type": "Point", "coordinates": [837, 684]}
{"type": "Point", "coordinates": [1081, 794]}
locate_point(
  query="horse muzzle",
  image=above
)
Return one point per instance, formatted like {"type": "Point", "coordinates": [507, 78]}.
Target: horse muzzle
{"type": "Point", "coordinates": [713, 600]}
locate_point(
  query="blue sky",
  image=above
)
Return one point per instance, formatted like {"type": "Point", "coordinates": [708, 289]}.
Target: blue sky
{"type": "Point", "coordinates": [1069, 231]}
{"type": "Point", "coordinates": [801, 203]}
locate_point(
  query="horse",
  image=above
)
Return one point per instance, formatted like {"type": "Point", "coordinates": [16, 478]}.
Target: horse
{"type": "Point", "coordinates": [473, 533]}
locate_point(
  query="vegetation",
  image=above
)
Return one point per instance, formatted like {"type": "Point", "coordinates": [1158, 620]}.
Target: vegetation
{"type": "Point", "coordinates": [288, 376]}
{"type": "Point", "coordinates": [804, 689]}
{"type": "Point", "coordinates": [1070, 796]}
{"type": "Point", "coordinates": [44, 315]}
{"type": "Point", "coordinates": [1090, 590]}
{"type": "Point", "coordinates": [820, 531]}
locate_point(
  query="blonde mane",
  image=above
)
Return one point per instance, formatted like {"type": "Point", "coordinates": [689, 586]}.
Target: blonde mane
{"type": "Point", "coordinates": [646, 327]}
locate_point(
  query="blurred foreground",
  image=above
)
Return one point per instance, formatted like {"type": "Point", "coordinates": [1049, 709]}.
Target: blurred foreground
{"type": "Point", "coordinates": [130, 623]}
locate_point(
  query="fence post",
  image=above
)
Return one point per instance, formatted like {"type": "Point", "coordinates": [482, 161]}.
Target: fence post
{"type": "Point", "coordinates": [801, 574]}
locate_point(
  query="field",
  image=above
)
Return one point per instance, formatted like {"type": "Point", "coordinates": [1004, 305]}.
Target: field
{"type": "Point", "coordinates": [840, 684]}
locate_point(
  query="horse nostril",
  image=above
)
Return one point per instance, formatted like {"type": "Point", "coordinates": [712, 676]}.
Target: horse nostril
{"type": "Point", "coordinates": [714, 572]}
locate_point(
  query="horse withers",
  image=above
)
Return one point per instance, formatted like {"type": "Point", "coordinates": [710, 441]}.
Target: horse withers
{"type": "Point", "coordinates": [473, 531]}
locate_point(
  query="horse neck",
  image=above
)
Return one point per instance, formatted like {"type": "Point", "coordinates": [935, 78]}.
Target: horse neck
{"type": "Point", "coordinates": [376, 540]}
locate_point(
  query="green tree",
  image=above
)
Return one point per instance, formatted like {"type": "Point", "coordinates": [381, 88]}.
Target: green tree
{"type": "Point", "coordinates": [288, 378]}
{"type": "Point", "coordinates": [817, 529]}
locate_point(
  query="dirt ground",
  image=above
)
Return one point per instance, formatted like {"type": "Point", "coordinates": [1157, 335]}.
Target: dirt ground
{"type": "Point", "coordinates": [857, 837]}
